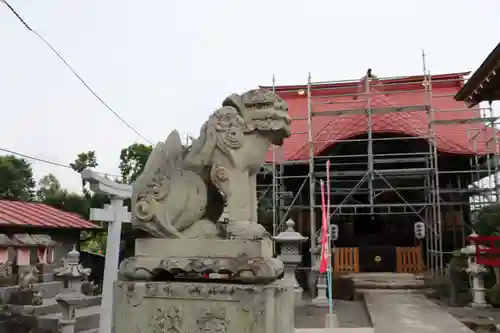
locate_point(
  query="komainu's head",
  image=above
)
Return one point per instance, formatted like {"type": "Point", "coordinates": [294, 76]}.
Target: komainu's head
{"type": "Point", "coordinates": [263, 111]}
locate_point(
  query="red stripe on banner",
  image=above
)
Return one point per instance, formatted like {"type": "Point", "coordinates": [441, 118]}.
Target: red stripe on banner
{"type": "Point", "coordinates": [323, 266]}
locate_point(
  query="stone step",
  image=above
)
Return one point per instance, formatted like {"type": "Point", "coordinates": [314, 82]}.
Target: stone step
{"type": "Point", "coordinates": [95, 330]}
{"type": "Point", "coordinates": [383, 276]}
{"type": "Point", "coordinates": [386, 281]}
{"type": "Point", "coordinates": [86, 319]}
{"type": "Point", "coordinates": [335, 330]}
{"type": "Point", "coordinates": [389, 285]}
{"type": "Point", "coordinates": [48, 289]}
{"type": "Point", "coordinates": [391, 291]}
{"type": "Point", "coordinates": [50, 306]}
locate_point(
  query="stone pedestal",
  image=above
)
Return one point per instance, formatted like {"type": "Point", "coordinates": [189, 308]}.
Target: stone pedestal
{"type": "Point", "coordinates": [202, 307]}
{"type": "Point", "coordinates": [167, 287]}
{"type": "Point", "coordinates": [248, 261]}
{"type": "Point", "coordinates": [68, 302]}
{"type": "Point", "coordinates": [321, 298]}
{"type": "Point", "coordinates": [46, 272]}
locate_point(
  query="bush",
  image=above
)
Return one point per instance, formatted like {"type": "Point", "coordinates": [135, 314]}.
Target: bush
{"type": "Point", "coordinates": [493, 296]}
{"type": "Point", "coordinates": [441, 286]}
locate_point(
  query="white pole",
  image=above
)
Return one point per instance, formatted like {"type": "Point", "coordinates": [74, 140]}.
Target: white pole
{"type": "Point", "coordinates": [111, 266]}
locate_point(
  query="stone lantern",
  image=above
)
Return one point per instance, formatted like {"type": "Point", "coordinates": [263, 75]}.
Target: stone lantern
{"type": "Point", "coordinates": [477, 271]}
{"type": "Point", "coordinates": [72, 274]}
{"type": "Point", "coordinates": [289, 242]}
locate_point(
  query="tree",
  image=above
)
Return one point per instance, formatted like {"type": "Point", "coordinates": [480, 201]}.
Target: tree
{"type": "Point", "coordinates": [488, 224]}
{"type": "Point", "coordinates": [85, 160]}
{"type": "Point", "coordinates": [16, 179]}
{"type": "Point", "coordinates": [48, 186]}
{"type": "Point", "coordinates": [132, 161]}
{"type": "Point", "coordinates": [488, 220]}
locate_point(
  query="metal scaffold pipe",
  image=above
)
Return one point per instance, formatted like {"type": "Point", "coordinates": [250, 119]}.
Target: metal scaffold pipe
{"type": "Point", "coordinates": [312, 179]}
{"type": "Point", "coordinates": [370, 139]}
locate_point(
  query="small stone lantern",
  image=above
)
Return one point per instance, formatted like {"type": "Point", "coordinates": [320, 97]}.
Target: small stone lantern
{"type": "Point", "coordinates": [72, 273]}
{"type": "Point", "coordinates": [288, 242]}
{"type": "Point", "coordinates": [477, 271]}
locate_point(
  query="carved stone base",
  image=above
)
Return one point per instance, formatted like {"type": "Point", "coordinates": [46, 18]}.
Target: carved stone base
{"type": "Point", "coordinates": [241, 260]}
{"type": "Point", "coordinates": [151, 307]}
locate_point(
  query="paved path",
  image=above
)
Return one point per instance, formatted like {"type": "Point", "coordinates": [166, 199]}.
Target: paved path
{"type": "Point", "coordinates": [409, 313]}
{"type": "Point", "coordinates": [349, 314]}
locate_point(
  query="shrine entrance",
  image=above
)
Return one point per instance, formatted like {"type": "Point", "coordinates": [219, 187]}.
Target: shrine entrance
{"type": "Point", "coordinates": [378, 243]}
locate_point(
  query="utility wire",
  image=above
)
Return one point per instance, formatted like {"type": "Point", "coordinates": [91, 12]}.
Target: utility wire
{"type": "Point", "coordinates": [74, 72]}
{"type": "Point", "coordinates": [38, 159]}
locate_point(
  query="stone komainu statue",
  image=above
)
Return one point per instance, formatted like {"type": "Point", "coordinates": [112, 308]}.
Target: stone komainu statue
{"type": "Point", "coordinates": [184, 191]}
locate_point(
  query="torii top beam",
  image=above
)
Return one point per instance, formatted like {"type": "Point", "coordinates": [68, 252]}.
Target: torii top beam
{"type": "Point", "coordinates": [102, 185]}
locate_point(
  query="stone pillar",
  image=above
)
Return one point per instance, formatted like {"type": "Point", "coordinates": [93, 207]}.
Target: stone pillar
{"type": "Point", "coordinates": [67, 321]}
{"type": "Point", "coordinates": [288, 242]}
{"type": "Point", "coordinates": [321, 298]}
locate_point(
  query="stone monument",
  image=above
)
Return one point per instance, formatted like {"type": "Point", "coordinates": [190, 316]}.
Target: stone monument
{"type": "Point", "coordinates": [198, 206]}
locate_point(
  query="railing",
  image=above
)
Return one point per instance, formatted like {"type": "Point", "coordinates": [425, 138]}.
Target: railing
{"type": "Point", "coordinates": [409, 260]}
{"type": "Point", "coordinates": [346, 259]}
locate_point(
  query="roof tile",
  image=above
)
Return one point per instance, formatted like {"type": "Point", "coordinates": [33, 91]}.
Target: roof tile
{"type": "Point", "coordinates": [31, 214]}
{"type": "Point", "coordinates": [327, 130]}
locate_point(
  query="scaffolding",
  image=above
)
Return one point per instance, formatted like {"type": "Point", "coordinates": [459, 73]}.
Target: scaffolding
{"type": "Point", "coordinates": [443, 197]}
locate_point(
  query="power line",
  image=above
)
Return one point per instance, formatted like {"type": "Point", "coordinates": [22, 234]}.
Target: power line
{"type": "Point", "coordinates": [38, 159]}
{"type": "Point", "coordinates": [74, 72]}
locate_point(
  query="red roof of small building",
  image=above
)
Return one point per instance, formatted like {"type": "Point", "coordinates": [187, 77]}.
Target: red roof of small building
{"type": "Point", "coordinates": [30, 214]}
{"type": "Point", "coordinates": [385, 93]}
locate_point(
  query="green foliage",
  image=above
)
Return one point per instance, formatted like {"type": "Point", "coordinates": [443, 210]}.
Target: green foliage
{"type": "Point", "coordinates": [132, 161]}
{"type": "Point", "coordinates": [488, 220]}
{"type": "Point", "coordinates": [48, 186]}
{"type": "Point", "coordinates": [16, 179]}
{"type": "Point", "coordinates": [441, 285]}
{"type": "Point", "coordinates": [84, 160]}
{"type": "Point", "coordinates": [493, 295]}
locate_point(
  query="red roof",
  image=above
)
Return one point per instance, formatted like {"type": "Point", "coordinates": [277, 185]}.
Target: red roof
{"type": "Point", "coordinates": [29, 214]}
{"type": "Point", "coordinates": [384, 93]}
